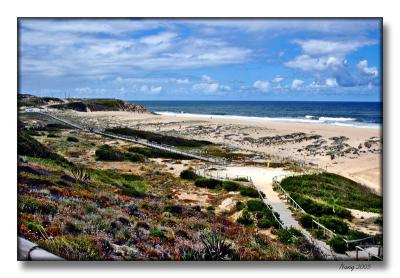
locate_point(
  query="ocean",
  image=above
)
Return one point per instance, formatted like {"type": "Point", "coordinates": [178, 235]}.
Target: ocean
{"type": "Point", "coordinates": [357, 114]}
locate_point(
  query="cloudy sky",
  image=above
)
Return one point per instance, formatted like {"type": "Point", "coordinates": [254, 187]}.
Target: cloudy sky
{"type": "Point", "coordinates": [201, 59]}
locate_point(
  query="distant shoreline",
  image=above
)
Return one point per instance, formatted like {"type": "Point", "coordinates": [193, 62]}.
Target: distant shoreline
{"type": "Point", "coordinates": [346, 122]}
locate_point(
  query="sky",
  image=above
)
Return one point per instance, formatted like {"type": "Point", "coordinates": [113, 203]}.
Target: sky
{"type": "Point", "coordinates": [205, 59]}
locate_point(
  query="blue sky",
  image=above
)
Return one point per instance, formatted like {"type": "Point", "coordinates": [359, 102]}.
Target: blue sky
{"type": "Point", "coordinates": [138, 59]}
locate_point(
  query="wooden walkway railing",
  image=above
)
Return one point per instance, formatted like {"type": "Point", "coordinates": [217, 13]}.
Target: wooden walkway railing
{"type": "Point", "coordinates": [364, 248]}
{"type": "Point", "coordinates": [326, 231]}
{"type": "Point", "coordinates": [137, 141]}
{"type": "Point", "coordinates": [249, 180]}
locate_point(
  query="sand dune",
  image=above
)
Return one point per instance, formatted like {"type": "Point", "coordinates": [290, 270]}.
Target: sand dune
{"type": "Point", "coordinates": [360, 163]}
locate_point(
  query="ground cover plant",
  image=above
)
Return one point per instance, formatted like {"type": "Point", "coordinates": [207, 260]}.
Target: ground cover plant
{"type": "Point", "coordinates": [158, 138]}
{"type": "Point", "coordinates": [80, 212]}
{"type": "Point", "coordinates": [334, 190]}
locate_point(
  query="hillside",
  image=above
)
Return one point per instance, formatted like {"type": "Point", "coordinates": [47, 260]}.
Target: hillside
{"type": "Point", "coordinates": [86, 197]}
{"type": "Point", "coordinates": [88, 105]}
{"type": "Point", "coordinates": [78, 104]}
{"type": "Point", "coordinates": [31, 100]}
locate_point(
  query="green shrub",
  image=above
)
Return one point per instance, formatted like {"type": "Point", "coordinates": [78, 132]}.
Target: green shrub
{"type": "Point", "coordinates": [239, 205]}
{"type": "Point", "coordinates": [79, 248]}
{"type": "Point", "coordinates": [208, 183]}
{"type": "Point", "coordinates": [334, 190]}
{"type": "Point", "coordinates": [135, 189]}
{"type": "Point", "coordinates": [338, 245]}
{"type": "Point", "coordinates": [80, 173]}
{"type": "Point", "coordinates": [306, 220]}
{"type": "Point", "coordinates": [29, 146]}
{"type": "Point", "coordinates": [245, 219]}
{"type": "Point", "coordinates": [231, 186]}
{"type": "Point", "coordinates": [156, 153]}
{"type": "Point", "coordinates": [256, 205]}
{"type": "Point", "coordinates": [72, 139]}
{"type": "Point", "coordinates": [318, 209]}
{"type": "Point", "coordinates": [249, 192]}
{"type": "Point", "coordinates": [135, 157]}
{"type": "Point", "coordinates": [216, 248]}
{"type": "Point", "coordinates": [334, 224]}
{"type": "Point", "coordinates": [379, 221]}
{"type": "Point", "coordinates": [243, 179]}
{"type": "Point", "coordinates": [107, 153]}
{"type": "Point", "coordinates": [353, 234]}
{"type": "Point", "coordinates": [30, 204]}
{"type": "Point", "coordinates": [157, 233]}
{"type": "Point", "coordinates": [158, 138]}
{"type": "Point", "coordinates": [188, 174]}
{"type": "Point", "coordinates": [37, 228]}
{"type": "Point", "coordinates": [176, 210]}
{"type": "Point", "coordinates": [288, 235]}
{"type": "Point", "coordinates": [265, 223]}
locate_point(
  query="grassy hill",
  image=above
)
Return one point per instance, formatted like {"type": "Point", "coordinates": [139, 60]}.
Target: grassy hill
{"type": "Point", "coordinates": [85, 105]}
{"type": "Point", "coordinates": [79, 207]}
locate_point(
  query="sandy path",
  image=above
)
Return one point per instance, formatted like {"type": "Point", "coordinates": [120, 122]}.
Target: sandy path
{"type": "Point", "coordinates": [262, 179]}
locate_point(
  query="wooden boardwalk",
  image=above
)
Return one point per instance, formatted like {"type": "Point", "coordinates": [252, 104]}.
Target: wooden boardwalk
{"type": "Point", "coordinates": [137, 141]}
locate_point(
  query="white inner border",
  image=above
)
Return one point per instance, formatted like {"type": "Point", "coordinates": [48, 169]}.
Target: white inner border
{"type": "Point", "coordinates": [10, 10]}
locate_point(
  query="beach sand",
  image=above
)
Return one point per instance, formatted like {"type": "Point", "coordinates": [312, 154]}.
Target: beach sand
{"type": "Point", "coordinates": [361, 162]}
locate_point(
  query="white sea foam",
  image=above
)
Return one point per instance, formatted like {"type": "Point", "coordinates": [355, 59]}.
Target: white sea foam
{"type": "Point", "coordinates": [339, 121]}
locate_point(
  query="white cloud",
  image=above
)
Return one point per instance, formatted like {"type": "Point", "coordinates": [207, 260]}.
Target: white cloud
{"type": "Point", "coordinates": [58, 48]}
{"type": "Point", "coordinates": [327, 58]}
{"type": "Point", "coordinates": [363, 67]}
{"type": "Point", "coordinates": [206, 78]}
{"type": "Point", "coordinates": [225, 87]}
{"type": "Point", "coordinates": [297, 83]}
{"type": "Point", "coordinates": [164, 37]}
{"type": "Point", "coordinates": [277, 79]}
{"type": "Point", "coordinates": [150, 89]}
{"type": "Point", "coordinates": [206, 87]}
{"type": "Point", "coordinates": [261, 85]}
{"type": "Point", "coordinates": [326, 47]}
{"type": "Point", "coordinates": [90, 26]}
{"type": "Point", "coordinates": [325, 26]}
{"type": "Point", "coordinates": [308, 63]}
{"type": "Point", "coordinates": [331, 82]}
{"type": "Point", "coordinates": [181, 81]}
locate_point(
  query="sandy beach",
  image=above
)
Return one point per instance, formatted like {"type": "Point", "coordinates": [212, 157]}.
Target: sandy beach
{"type": "Point", "coordinates": [349, 151]}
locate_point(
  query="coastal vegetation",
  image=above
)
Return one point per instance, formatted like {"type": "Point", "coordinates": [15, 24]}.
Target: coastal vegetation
{"type": "Point", "coordinates": [80, 208]}
{"type": "Point", "coordinates": [85, 105]}
{"type": "Point", "coordinates": [156, 153]}
{"type": "Point", "coordinates": [333, 190]}
{"type": "Point", "coordinates": [327, 198]}
{"type": "Point", "coordinates": [158, 138]}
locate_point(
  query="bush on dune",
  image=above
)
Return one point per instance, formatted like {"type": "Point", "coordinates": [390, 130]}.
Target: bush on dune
{"type": "Point", "coordinates": [335, 224]}
{"type": "Point", "coordinates": [208, 183]}
{"type": "Point", "coordinates": [158, 138]}
{"type": "Point", "coordinates": [256, 205]}
{"type": "Point", "coordinates": [338, 245]}
{"type": "Point", "coordinates": [156, 153]}
{"type": "Point", "coordinates": [188, 174]}
{"type": "Point", "coordinates": [249, 192]}
{"type": "Point", "coordinates": [334, 190]}
{"type": "Point", "coordinates": [231, 186]}
{"type": "Point", "coordinates": [29, 146]}
{"type": "Point", "coordinates": [108, 153]}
